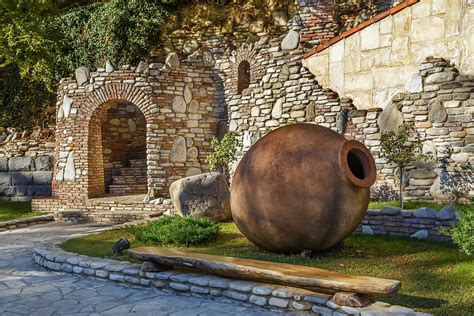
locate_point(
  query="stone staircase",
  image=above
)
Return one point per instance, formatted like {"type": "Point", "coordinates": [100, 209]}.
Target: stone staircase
{"type": "Point", "coordinates": [130, 180]}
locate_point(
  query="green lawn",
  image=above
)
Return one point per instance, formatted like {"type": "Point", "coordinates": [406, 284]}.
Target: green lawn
{"type": "Point", "coordinates": [16, 210]}
{"type": "Point", "coordinates": [408, 205]}
{"type": "Point", "coordinates": [435, 277]}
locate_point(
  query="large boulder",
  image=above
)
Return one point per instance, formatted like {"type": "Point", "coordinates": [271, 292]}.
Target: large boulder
{"type": "Point", "coordinates": [204, 195]}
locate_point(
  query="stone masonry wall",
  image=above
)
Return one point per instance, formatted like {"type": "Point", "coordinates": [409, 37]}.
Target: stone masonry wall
{"type": "Point", "coordinates": [370, 65]}
{"type": "Point", "coordinates": [24, 178]}
{"type": "Point", "coordinates": [424, 223]}
{"type": "Point", "coordinates": [439, 105]}
{"type": "Point", "coordinates": [177, 102]}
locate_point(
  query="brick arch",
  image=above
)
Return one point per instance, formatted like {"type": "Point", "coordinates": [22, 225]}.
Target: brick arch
{"type": "Point", "coordinates": [245, 54]}
{"type": "Point", "coordinates": [94, 108]}
{"type": "Point", "coordinates": [116, 92]}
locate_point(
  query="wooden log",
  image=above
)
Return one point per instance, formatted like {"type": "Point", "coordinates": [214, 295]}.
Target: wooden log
{"type": "Point", "coordinates": [270, 272]}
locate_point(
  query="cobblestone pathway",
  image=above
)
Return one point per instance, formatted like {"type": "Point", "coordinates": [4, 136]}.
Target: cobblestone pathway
{"type": "Point", "coordinates": [26, 289]}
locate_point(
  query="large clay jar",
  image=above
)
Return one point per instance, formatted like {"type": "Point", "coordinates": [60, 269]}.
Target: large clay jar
{"type": "Point", "coordinates": [302, 187]}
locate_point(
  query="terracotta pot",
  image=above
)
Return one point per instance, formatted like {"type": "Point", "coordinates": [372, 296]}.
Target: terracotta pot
{"type": "Point", "coordinates": [302, 187]}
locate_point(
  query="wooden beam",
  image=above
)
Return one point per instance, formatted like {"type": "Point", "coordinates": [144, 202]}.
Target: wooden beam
{"type": "Point", "coordinates": [270, 272]}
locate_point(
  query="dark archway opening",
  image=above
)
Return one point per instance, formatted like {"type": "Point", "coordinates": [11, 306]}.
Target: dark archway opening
{"type": "Point", "coordinates": [123, 130]}
{"type": "Point", "coordinates": [243, 80]}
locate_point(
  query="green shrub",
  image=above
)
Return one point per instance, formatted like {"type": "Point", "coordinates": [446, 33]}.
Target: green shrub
{"type": "Point", "coordinates": [462, 232]}
{"type": "Point", "coordinates": [223, 151]}
{"type": "Point", "coordinates": [177, 230]}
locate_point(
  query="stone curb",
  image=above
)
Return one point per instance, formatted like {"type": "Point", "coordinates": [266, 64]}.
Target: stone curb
{"type": "Point", "coordinates": [270, 296]}
{"type": "Point", "coordinates": [25, 222]}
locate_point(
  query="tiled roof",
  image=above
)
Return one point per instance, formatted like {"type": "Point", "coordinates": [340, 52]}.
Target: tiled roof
{"type": "Point", "coordinates": [361, 26]}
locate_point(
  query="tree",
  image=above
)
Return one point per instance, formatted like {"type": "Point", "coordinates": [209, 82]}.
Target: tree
{"type": "Point", "coordinates": [223, 152]}
{"type": "Point", "coordinates": [28, 40]}
{"type": "Point", "coordinates": [402, 149]}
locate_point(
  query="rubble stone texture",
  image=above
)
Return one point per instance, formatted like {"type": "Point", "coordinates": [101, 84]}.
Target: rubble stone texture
{"type": "Point", "coordinates": [360, 86]}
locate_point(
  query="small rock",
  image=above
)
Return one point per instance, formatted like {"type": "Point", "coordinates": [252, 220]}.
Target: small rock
{"type": "Point", "coordinates": [437, 112]}
{"type": "Point", "coordinates": [188, 96]}
{"type": "Point", "coordinates": [179, 104]}
{"type": "Point", "coordinates": [109, 67]}
{"type": "Point", "coordinates": [142, 67]}
{"type": "Point", "coordinates": [258, 300]}
{"type": "Point", "coordinates": [421, 234]}
{"type": "Point", "coordinates": [178, 152]}
{"type": "Point", "coordinates": [291, 40]}
{"type": "Point", "coordinates": [390, 118]}
{"type": "Point", "coordinates": [352, 299]}
{"type": "Point", "coordinates": [423, 174]}
{"type": "Point", "coordinates": [83, 75]}
{"type": "Point", "coordinates": [262, 290]}
{"type": "Point", "coordinates": [205, 195]}
{"type": "Point", "coordinates": [425, 212]}
{"type": "Point", "coordinates": [70, 169]}
{"type": "Point", "coordinates": [172, 61]}
{"type": "Point", "coordinates": [208, 59]}
{"type": "Point", "coordinates": [390, 210]}
{"type": "Point", "coordinates": [66, 107]}
{"type": "Point", "coordinates": [301, 306]}
{"type": "Point", "coordinates": [277, 110]}
{"type": "Point", "coordinates": [157, 201]}
{"type": "Point", "coordinates": [115, 122]}
{"type": "Point", "coordinates": [440, 77]}
{"type": "Point", "coordinates": [446, 213]}
{"type": "Point", "coordinates": [367, 230]}
{"type": "Point", "coordinates": [278, 302]}
{"type": "Point", "coordinates": [322, 311]}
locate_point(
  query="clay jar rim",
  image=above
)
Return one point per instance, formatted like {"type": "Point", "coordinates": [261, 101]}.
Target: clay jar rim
{"type": "Point", "coordinates": [361, 154]}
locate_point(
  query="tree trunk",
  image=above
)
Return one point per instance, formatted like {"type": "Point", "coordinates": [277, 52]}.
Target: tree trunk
{"type": "Point", "coordinates": [401, 186]}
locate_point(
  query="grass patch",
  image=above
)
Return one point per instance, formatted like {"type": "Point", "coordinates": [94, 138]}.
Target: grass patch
{"type": "Point", "coordinates": [15, 210]}
{"type": "Point", "coordinates": [407, 205]}
{"type": "Point", "coordinates": [435, 277]}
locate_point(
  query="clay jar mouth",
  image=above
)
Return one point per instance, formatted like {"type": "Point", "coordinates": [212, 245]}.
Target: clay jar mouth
{"type": "Point", "coordinates": [357, 164]}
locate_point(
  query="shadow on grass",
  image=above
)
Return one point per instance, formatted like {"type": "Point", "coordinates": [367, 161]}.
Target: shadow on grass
{"type": "Point", "coordinates": [413, 301]}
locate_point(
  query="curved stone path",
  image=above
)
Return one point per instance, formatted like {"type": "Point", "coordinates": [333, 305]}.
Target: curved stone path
{"type": "Point", "coordinates": [26, 289]}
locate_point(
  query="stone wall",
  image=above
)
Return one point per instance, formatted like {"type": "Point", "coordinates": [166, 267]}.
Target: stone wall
{"type": "Point", "coordinates": [24, 178]}
{"type": "Point", "coordinates": [177, 102]}
{"type": "Point", "coordinates": [371, 63]}
{"type": "Point", "coordinates": [105, 211]}
{"type": "Point", "coordinates": [424, 223]}
{"type": "Point", "coordinates": [438, 103]}
{"type": "Point", "coordinates": [25, 222]}
{"type": "Point", "coordinates": [18, 143]}
{"type": "Point", "coordinates": [25, 163]}
{"type": "Point", "coordinates": [436, 99]}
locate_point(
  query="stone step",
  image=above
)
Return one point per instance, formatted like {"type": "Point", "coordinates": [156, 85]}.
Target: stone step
{"type": "Point", "coordinates": [128, 188]}
{"type": "Point", "coordinates": [129, 179]}
{"type": "Point", "coordinates": [131, 172]}
{"type": "Point", "coordinates": [134, 163]}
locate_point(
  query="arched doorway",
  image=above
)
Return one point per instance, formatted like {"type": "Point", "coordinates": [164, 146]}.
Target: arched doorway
{"type": "Point", "coordinates": [117, 150]}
